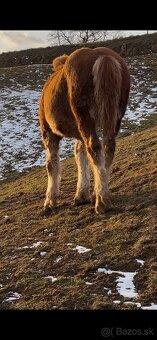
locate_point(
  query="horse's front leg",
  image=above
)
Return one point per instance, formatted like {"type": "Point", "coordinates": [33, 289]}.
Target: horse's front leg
{"type": "Point", "coordinates": [53, 169]}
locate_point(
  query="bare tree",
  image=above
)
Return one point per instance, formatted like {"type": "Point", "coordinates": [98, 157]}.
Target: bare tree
{"type": "Point", "coordinates": [116, 34]}
{"type": "Point", "coordinates": [67, 37]}
{"type": "Point", "coordinates": [54, 36]}
{"type": "Point", "coordinates": [73, 37]}
{"type": "Point", "coordinates": [90, 36]}
{"type": "Point", "coordinates": [62, 37]}
{"type": "Point", "coordinates": [58, 37]}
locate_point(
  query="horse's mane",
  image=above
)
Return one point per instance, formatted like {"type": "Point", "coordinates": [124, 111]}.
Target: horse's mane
{"type": "Point", "coordinates": [58, 62]}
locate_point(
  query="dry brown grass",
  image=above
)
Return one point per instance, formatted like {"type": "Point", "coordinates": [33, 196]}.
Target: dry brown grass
{"type": "Point", "coordinates": [127, 232]}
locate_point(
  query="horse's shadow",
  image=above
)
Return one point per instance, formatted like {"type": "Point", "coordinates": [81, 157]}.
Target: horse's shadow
{"type": "Point", "coordinates": [136, 202]}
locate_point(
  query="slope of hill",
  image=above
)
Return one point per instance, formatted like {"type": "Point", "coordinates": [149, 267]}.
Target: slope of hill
{"type": "Point", "coordinates": [73, 259]}
{"type": "Point", "coordinates": [130, 46]}
{"type": "Point", "coordinates": [20, 89]}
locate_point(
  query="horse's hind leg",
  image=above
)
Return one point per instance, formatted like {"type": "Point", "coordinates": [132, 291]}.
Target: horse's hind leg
{"type": "Point", "coordinates": [86, 126]}
{"type": "Point", "coordinates": [82, 195]}
{"type": "Point", "coordinates": [109, 150]}
{"type": "Point", "coordinates": [51, 142]}
{"type": "Point", "coordinates": [96, 156]}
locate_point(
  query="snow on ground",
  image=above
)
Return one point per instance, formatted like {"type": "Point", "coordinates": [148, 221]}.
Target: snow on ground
{"type": "Point", "coordinates": [125, 285]}
{"type": "Point", "coordinates": [43, 253]}
{"type": "Point", "coordinates": [34, 245]}
{"type": "Point", "coordinates": [141, 262]}
{"type": "Point", "coordinates": [59, 258]}
{"type": "Point", "coordinates": [20, 88]}
{"type": "Point", "coordinates": [80, 249]}
{"type": "Point", "coordinates": [12, 296]}
{"type": "Point", "coordinates": [52, 278]}
{"type": "Point", "coordinates": [151, 307]}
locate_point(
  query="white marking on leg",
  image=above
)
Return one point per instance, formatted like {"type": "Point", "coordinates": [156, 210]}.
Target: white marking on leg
{"type": "Point", "coordinates": [101, 184]}
{"type": "Point", "coordinates": [83, 183]}
{"type": "Point", "coordinates": [53, 172]}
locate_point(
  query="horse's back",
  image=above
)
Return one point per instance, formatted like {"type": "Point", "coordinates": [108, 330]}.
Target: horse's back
{"type": "Point", "coordinates": [80, 64]}
{"type": "Point", "coordinates": [87, 56]}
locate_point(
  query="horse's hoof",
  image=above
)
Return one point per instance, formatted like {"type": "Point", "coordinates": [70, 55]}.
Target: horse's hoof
{"type": "Point", "coordinates": [81, 201]}
{"type": "Point", "coordinates": [46, 211]}
{"type": "Point", "coordinates": [103, 208]}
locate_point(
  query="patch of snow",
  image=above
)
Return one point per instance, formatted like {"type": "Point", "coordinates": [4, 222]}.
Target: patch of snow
{"type": "Point", "coordinates": [81, 249]}
{"type": "Point", "coordinates": [12, 296]}
{"type": "Point", "coordinates": [132, 303]}
{"type": "Point", "coordinates": [58, 259]}
{"type": "Point", "coordinates": [52, 278]}
{"type": "Point", "coordinates": [43, 253]}
{"type": "Point", "coordinates": [141, 262]}
{"type": "Point", "coordinates": [138, 304]}
{"type": "Point", "coordinates": [125, 285]}
{"type": "Point", "coordinates": [154, 90]}
{"type": "Point", "coordinates": [88, 283]}
{"type": "Point", "coordinates": [117, 302]}
{"type": "Point", "coordinates": [6, 218]}
{"type": "Point", "coordinates": [50, 234]}
{"type": "Point", "coordinates": [151, 307]}
{"type": "Point", "coordinates": [1, 285]}
{"type": "Point", "coordinates": [34, 245]}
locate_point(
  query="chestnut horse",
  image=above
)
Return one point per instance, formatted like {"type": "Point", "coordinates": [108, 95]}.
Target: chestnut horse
{"type": "Point", "coordinates": [87, 92]}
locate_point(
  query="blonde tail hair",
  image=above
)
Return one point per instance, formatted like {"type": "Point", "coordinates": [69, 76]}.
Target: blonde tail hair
{"type": "Point", "coordinates": [107, 81]}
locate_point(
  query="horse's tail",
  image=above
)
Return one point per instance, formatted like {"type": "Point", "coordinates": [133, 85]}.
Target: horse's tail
{"type": "Point", "coordinates": [58, 62]}
{"type": "Point", "coordinates": [107, 81]}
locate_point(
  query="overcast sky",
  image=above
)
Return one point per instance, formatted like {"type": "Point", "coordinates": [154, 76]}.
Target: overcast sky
{"type": "Point", "coordinates": [20, 40]}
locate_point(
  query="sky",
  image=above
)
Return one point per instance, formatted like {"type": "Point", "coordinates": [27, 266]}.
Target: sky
{"type": "Point", "coordinates": [21, 40]}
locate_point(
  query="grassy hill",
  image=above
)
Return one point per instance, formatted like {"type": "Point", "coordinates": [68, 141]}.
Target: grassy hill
{"type": "Point", "coordinates": [129, 46]}
{"type": "Point", "coordinates": [40, 265]}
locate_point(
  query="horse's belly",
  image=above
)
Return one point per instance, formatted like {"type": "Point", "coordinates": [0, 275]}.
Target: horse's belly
{"type": "Point", "coordinates": [63, 123]}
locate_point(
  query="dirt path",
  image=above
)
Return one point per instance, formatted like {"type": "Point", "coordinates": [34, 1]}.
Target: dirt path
{"type": "Point", "coordinates": [42, 266]}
